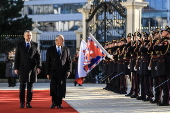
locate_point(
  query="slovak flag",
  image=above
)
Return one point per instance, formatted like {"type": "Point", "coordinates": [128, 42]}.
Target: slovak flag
{"type": "Point", "coordinates": [81, 73]}
{"type": "Point", "coordinates": [93, 54]}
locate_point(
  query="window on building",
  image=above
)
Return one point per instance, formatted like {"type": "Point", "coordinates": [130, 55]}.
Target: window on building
{"type": "Point", "coordinates": [25, 10]}
{"type": "Point", "coordinates": [57, 9]}
{"type": "Point", "coordinates": [48, 9]}
{"type": "Point", "coordinates": [59, 26]}
{"type": "Point", "coordinates": [30, 10]}
{"type": "Point", "coordinates": [38, 9]}
{"type": "Point", "coordinates": [62, 10]}
{"type": "Point", "coordinates": [52, 9]}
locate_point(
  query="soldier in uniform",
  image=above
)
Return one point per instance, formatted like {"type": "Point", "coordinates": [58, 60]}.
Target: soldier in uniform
{"type": "Point", "coordinates": [127, 62]}
{"type": "Point", "coordinates": [139, 78]}
{"type": "Point", "coordinates": [134, 76]}
{"type": "Point", "coordinates": [115, 56]}
{"type": "Point", "coordinates": [146, 81]}
{"type": "Point", "coordinates": [153, 62]}
{"type": "Point", "coordinates": [162, 47]}
{"type": "Point", "coordinates": [121, 49]}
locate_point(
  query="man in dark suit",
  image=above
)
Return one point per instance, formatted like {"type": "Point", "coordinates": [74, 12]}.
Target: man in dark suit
{"type": "Point", "coordinates": [58, 68]}
{"type": "Point", "coordinates": [27, 65]}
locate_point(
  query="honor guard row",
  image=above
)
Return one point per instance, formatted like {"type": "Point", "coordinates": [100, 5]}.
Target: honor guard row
{"type": "Point", "coordinates": [144, 59]}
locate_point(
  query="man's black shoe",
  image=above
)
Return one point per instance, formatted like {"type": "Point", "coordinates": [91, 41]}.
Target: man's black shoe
{"type": "Point", "coordinates": [59, 106]}
{"type": "Point", "coordinates": [163, 104]}
{"type": "Point", "coordinates": [129, 94]}
{"type": "Point", "coordinates": [28, 105]}
{"type": "Point", "coordinates": [140, 98]}
{"type": "Point", "coordinates": [153, 101]}
{"type": "Point", "coordinates": [53, 106]}
{"type": "Point", "coordinates": [133, 96]}
{"type": "Point", "coordinates": [147, 99]}
{"type": "Point", "coordinates": [123, 92]}
{"type": "Point", "coordinates": [21, 105]}
{"type": "Point", "coordinates": [80, 85]}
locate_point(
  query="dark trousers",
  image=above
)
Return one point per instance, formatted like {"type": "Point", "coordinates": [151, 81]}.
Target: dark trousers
{"type": "Point", "coordinates": [11, 81]}
{"type": "Point", "coordinates": [165, 88]}
{"type": "Point", "coordinates": [158, 90]}
{"type": "Point", "coordinates": [57, 100]}
{"type": "Point", "coordinates": [143, 92]}
{"type": "Point", "coordinates": [148, 84]}
{"type": "Point", "coordinates": [22, 91]}
{"type": "Point", "coordinates": [117, 83]}
{"type": "Point", "coordinates": [123, 85]}
{"type": "Point", "coordinates": [134, 84]}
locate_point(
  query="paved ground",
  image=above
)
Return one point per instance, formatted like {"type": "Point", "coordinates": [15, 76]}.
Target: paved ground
{"type": "Point", "coordinates": [91, 98]}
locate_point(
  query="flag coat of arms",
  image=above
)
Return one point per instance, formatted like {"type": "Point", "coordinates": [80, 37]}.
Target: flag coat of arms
{"type": "Point", "coordinates": [93, 55]}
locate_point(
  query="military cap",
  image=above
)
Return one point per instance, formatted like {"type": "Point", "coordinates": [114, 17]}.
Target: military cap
{"type": "Point", "coordinates": [106, 43]}
{"type": "Point", "coordinates": [134, 34]}
{"type": "Point", "coordinates": [129, 35]}
{"type": "Point", "coordinates": [167, 28]}
{"type": "Point", "coordinates": [123, 39]}
{"type": "Point", "coordinates": [145, 34]}
{"type": "Point", "coordinates": [113, 41]}
{"type": "Point", "coordinates": [157, 30]}
{"type": "Point", "coordinates": [138, 34]}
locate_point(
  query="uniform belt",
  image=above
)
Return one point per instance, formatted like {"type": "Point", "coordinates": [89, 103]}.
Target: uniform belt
{"type": "Point", "coordinates": [144, 57]}
{"type": "Point", "coordinates": [120, 63]}
{"type": "Point", "coordinates": [120, 59]}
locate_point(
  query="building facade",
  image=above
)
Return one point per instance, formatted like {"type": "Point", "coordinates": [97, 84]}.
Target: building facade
{"type": "Point", "coordinates": [157, 14]}
{"type": "Point", "coordinates": [55, 17]}
{"type": "Point", "coordinates": [61, 17]}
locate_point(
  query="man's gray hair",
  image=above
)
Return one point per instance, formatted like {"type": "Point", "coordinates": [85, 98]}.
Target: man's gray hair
{"type": "Point", "coordinates": [27, 31]}
{"type": "Point", "coordinates": [59, 36]}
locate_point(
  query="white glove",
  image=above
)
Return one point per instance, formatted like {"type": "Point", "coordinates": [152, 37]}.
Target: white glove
{"type": "Point", "coordinates": [68, 74]}
{"type": "Point", "coordinates": [135, 69]}
{"type": "Point", "coordinates": [155, 67]}
{"type": "Point", "coordinates": [128, 66]}
{"type": "Point", "coordinates": [149, 68]}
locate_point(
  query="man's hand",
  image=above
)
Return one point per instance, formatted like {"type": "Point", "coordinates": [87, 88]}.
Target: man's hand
{"type": "Point", "coordinates": [68, 74]}
{"type": "Point", "coordinates": [38, 70]}
{"type": "Point", "coordinates": [48, 77]}
{"type": "Point", "coordinates": [16, 72]}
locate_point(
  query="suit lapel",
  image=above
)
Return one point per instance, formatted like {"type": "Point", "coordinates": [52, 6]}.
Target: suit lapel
{"type": "Point", "coordinates": [24, 46]}
{"type": "Point", "coordinates": [31, 47]}
{"type": "Point", "coordinates": [55, 51]}
{"type": "Point", "coordinates": [62, 53]}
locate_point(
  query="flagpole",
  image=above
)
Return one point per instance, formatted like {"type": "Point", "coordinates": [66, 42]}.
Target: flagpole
{"type": "Point", "coordinates": [99, 45]}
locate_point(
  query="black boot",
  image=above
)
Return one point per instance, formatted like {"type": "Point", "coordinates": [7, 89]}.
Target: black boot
{"type": "Point", "coordinates": [75, 83]}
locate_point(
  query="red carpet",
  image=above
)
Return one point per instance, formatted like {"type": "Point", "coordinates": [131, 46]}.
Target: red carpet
{"type": "Point", "coordinates": [9, 103]}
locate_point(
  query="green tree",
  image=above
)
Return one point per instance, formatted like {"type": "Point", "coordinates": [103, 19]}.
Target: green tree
{"type": "Point", "coordinates": [11, 20]}
{"type": "Point", "coordinates": [12, 24]}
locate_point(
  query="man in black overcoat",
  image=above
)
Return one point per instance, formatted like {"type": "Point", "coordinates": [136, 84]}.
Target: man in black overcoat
{"type": "Point", "coordinates": [58, 68]}
{"type": "Point", "coordinates": [27, 65]}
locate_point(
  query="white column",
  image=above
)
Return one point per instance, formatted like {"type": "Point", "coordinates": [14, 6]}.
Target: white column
{"type": "Point", "coordinates": [134, 15]}
{"type": "Point", "coordinates": [79, 32]}
{"type": "Point", "coordinates": [36, 33]}
{"type": "Point", "coordinates": [85, 12]}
